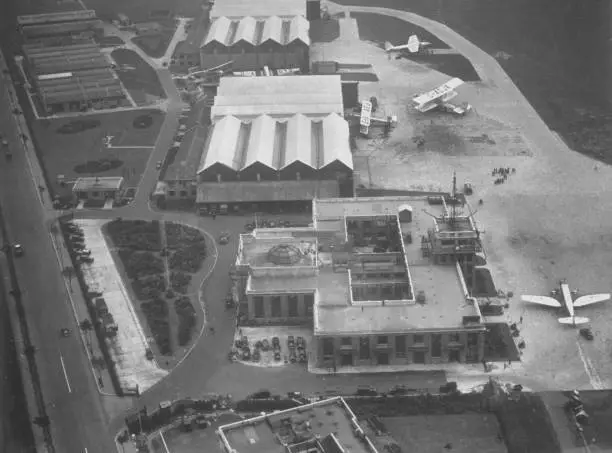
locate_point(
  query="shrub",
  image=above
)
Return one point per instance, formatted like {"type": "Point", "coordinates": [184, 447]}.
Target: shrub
{"type": "Point", "coordinates": [149, 287]}
{"type": "Point", "coordinates": [140, 263]}
{"type": "Point", "coordinates": [180, 281]}
{"type": "Point", "coordinates": [156, 313]}
{"type": "Point", "coordinates": [188, 259]}
{"type": "Point", "coordinates": [178, 235]}
{"type": "Point", "coordinates": [136, 234]}
{"type": "Point", "coordinates": [187, 319]}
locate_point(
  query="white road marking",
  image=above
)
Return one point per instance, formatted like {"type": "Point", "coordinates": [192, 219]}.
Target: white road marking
{"type": "Point", "coordinates": [590, 370]}
{"type": "Point", "coordinates": [161, 436]}
{"type": "Point", "coordinates": [65, 374]}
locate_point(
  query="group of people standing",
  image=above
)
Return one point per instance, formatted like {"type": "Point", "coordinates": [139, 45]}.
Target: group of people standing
{"type": "Point", "coordinates": [502, 174]}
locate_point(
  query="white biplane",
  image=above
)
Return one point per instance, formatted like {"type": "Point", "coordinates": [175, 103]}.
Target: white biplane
{"type": "Point", "coordinates": [439, 97]}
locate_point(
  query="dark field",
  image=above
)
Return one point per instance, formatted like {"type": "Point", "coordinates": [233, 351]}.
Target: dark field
{"type": "Point", "coordinates": [141, 82]}
{"type": "Point", "coordinates": [558, 56]}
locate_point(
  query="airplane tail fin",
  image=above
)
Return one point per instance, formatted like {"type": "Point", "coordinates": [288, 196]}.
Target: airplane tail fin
{"type": "Point", "coordinates": [575, 321]}
{"type": "Point", "coordinates": [388, 46]}
{"type": "Point", "coordinates": [413, 44]}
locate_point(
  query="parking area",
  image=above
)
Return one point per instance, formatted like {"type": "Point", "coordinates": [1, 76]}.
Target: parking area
{"type": "Point", "coordinates": [272, 346]}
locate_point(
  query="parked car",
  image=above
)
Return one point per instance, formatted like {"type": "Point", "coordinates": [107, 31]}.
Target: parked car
{"type": "Point", "coordinates": [586, 333]}
{"type": "Point", "coordinates": [83, 252]}
{"type": "Point", "coordinates": [85, 259]}
{"type": "Point", "coordinates": [159, 165]}
{"type": "Point", "coordinates": [18, 250]}
{"type": "Point", "coordinates": [366, 390]}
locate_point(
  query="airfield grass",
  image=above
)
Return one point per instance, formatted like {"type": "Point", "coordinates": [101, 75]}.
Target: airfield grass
{"type": "Point", "coordinates": [60, 153]}
{"type": "Point", "coordinates": [139, 10]}
{"type": "Point", "coordinates": [142, 82]}
{"type": "Point", "coordinates": [156, 44]}
{"type": "Point", "coordinates": [466, 433]}
{"type": "Point", "coordinates": [557, 55]}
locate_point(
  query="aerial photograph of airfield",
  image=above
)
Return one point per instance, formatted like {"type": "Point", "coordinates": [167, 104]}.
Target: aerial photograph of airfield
{"type": "Point", "coordinates": [305, 226]}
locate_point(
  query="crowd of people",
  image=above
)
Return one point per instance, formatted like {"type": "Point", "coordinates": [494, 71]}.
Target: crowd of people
{"type": "Point", "coordinates": [502, 174]}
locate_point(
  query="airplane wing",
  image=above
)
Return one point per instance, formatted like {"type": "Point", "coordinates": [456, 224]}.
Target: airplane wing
{"type": "Point", "coordinates": [542, 300]}
{"type": "Point", "coordinates": [438, 92]}
{"type": "Point", "coordinates": [591, 299]}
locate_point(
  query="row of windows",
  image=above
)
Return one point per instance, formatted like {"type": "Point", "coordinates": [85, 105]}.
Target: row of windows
{"type": "Point", "coordinates": [400, 344]}
{"type": "Point", "coordinates": [182, 193]}
{"type": "Point", "coordinates": [276, 308]}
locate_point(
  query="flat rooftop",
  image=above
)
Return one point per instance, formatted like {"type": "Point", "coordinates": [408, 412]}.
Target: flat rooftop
{"type": "Point", "coordinates": [245, 8]}
{"type": "Point", "coordinates": [98, 183]}
{"type": "Point", "coordinates": [312, 95]}
{"type": "Point", "coordinates": [321, 419]}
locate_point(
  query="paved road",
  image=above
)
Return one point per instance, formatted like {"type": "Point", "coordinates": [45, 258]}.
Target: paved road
{"type": "Point", "coordinates": [15, 429]}
{"type": "Point", "coordinates": [78, 420]}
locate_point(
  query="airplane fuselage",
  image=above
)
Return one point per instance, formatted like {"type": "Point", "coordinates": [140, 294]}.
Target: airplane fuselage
{"type": "Point", "coordinates": [567, 299]}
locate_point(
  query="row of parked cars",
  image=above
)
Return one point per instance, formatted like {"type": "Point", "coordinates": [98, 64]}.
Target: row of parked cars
{"type": "Point", "coordinates": [76, 239]}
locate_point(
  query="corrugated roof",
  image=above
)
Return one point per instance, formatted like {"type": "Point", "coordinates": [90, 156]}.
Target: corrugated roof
{"type": "Point", "coordinates": [227, 31]}
{"type": "Point", "coordinates": [78, 94]}
{"type": "Point", "coordinates": [98, 183]}
{"type": "Point", "coordinates": [245, 31]}
{"type": "Point", "coordinates": [243, 8]}
{"type": "Point", "coordinates": [336, 142]}
{"type": "Point", "coordinates": [223, 144]}
{"type": "Point", "coordinates": [299, 30]}
{"type": "Point", "coordinates": [247, 191]}
{"type": "Point", "coordinates": [261, 142]}
{"type": "Point", "coordinates": [64, 16]}
{"type": "Point", "coordinates": [299, 138]}
{"type": "Point", "coordinates": [218, 30]}
{"type": "Point", "coordinates": [254, 96]}
{"type": "Point", "coordinates": [62, 28]}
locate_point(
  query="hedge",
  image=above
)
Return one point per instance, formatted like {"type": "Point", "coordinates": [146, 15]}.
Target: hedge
{"type": "Point", "coordinates": [188, 258]}
{"type": "Point", "coordinates": [156, 313]}
{"type": "Point", "coordinates": [187, 319]}
{"type": "Point", "coordinates": [179, 281]}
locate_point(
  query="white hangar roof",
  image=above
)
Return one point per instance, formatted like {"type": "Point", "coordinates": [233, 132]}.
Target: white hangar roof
{"type": "Point", "coordinates": [243, 8]}
{"type": "Point", "coordinates": [309, 95]}
{"type": "Point", "coordinates": [283, 31]}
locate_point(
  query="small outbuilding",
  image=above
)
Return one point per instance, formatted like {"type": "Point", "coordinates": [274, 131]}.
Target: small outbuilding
{"type": "Point", "coordinates": [405, 213]}
{"type": "Point", "coordinates": [98, 188]}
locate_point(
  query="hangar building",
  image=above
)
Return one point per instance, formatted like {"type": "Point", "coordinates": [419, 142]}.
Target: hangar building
{"type": "Point", "coordinates": [72, 77]}
{"type": "Point", "coordinates": [275, 142]}
{"type": "Point", "coordinates": [252, 35]}
{"type": "Point", "coordinates": [82, 23]}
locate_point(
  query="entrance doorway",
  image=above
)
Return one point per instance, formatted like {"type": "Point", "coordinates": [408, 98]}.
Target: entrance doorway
{"type": "Point", "coordinates": [453, 355]}
{"type": "Point", "coordinates": [346, 360]}
{"type": "Point", "coordinates": [383, 358]}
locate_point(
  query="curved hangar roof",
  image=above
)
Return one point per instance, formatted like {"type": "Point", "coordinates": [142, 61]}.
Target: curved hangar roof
{"type": "Point", "coordinates": [257, 31]}
{"type": "Point", "coordinates": [277, 144]}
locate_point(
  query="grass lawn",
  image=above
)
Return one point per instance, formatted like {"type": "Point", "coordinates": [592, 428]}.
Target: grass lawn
{"type": "Point", "coordinates": [141, 82]}
{"type": "Point", "coordinates": [558, 53]}
{"type": "Point", "coordinates": [155, 44]}
{"type": "Point", "coordinates": [466, 433]}
{"type": "Point", "coordinates": [62, 152]}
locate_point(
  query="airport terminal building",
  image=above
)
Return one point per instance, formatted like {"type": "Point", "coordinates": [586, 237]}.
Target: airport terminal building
{"type": "Point", "coordinates": [365, 276]}
{"type": "Point", "coordinates": [252, 35]}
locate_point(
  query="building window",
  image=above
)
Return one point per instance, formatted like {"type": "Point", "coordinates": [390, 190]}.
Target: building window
{"type": "Point", "coordinates": [383, 339]}
{"type": "Point", "coordinates": [454, 338]}
{"type": "Point", "coordinates": [436, 345]}
{"type": "Point", "coordinates": [297, 175]}
{"type": "Point", "coordinates": [418, 357]}
{"type": "Point", "coordinates": [293, 305]}
{"type": "Point", "coordinates": [219, 177]}
{"type": "Point", "coordinates": [95, 194]}
{"type": "Point", "coordinates": [328, 347]}
{"type": "Point", "coordinates": [183, 193]}
{"type": "Point", "coordinates": [171, 193]}
{"type": "Point", "coordinates": [308, 301]}
{"type": "Point", "coordinates": [364, 348]}
{"type": "Point", "coordinates": [346, 341]}
{"type": "Point", "coordinates": [387, 290]}
{"type": "Point", "coordinates": [259, 306]}
{"type": "Point", "coordinates": [276, 306]}
{"type": "Point", "coordinates": [419, 339]}
{"type": "Point", "coordinates": [400, 346]}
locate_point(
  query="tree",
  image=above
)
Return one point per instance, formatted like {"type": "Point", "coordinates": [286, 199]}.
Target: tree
{"type": "Point", "coordinates": [68, 272]}
{"type": "Point", "coordinates": [86, 326]}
